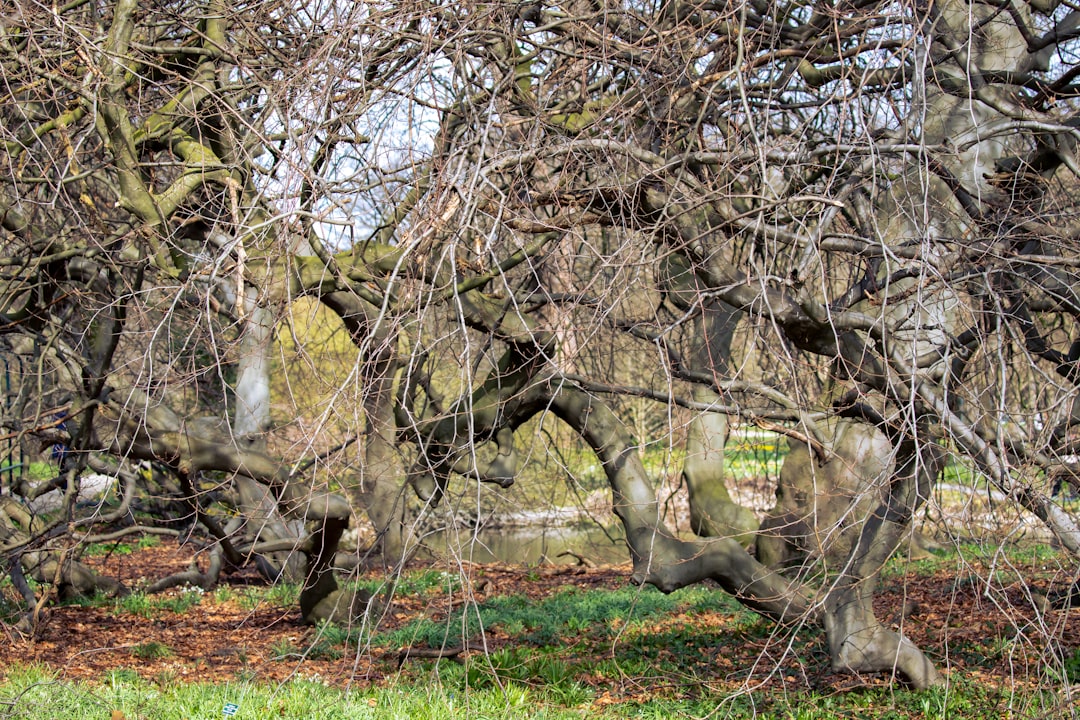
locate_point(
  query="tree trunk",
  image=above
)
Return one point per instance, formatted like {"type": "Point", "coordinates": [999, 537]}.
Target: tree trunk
{"type": "Point", "coordinates": [858, 642]}
{"type": "Point", "coordinates": [382, 481]}
{"type": "Point", "coordinates": [251, 415]}
{"type": "Point", "coordinates": [712, 511]}
{"type": "Point", "coordinates": [380, 489]}
{"type": "Point", "coordinates": [819, 505]}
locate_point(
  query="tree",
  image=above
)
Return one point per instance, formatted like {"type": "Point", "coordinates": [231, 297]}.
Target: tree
{"type": "Point", "coordinates": [851, 224]}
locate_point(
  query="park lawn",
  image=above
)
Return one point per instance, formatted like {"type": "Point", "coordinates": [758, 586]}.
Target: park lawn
{"type": "Point", "coordinates": [552, 641]}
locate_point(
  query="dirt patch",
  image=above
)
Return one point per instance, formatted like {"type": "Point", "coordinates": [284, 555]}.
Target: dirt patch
{"type": "Point", "coordinates": [220, 636]}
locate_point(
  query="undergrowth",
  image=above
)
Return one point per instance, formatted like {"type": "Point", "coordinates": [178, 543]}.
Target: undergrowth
{"type": "Point", "coordinates": [572, 651]}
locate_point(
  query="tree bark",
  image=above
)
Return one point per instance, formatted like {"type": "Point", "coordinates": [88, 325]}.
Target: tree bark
{"type": "Point", "coordinates": [380, 488]}
{"type": "Point", "coordinates": [820, 504]}
{"type": "Point", "coordinates": [251, 421]}
{"type": "Point", "coordinates": [712, 511]}
{"type": "Point", "coordinates": [659, 557]}
{"type": "Point", "coordinates": [858, 642]}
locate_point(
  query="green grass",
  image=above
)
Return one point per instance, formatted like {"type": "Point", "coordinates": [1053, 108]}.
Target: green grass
{"type": "Point", "coordinates": [558, 618]}
{"type": "Point", "coordinates": [507, 685]}
{"type": "Point", "coordinates": [281, 595]}
{"type": "Point", "coordinates": [36, 470]}
{"type": "Point", "coordinates": [148, 541]}
{"type": "Point", "coordinates": [9, 606]}
{"type": "Point", "coordinates": [40, 470]}
{"type": "Point", "coordinates": [30, 694]}
{"type": "Point", "coordinates": [1071, 667]}
{"type": "Point", "coordinates": [33, 694]}
{"type": "Point", "coordinates": [752, 458]}
{"type": "Point", "coordinates": [136, 603]}
{"type": "Point", "coordinates": [571, 471]}
{"type": "Point", "coordinates": [956, 559]}
{"type": "Point", "coordinates": [743, 458]}
{"type": "Point", "coordinates": [149, 606]}
{"type": "Point", "coordinates": [188, 597]}
{"type": "Point", "coordinates": [957, 474]}
{"type": "Point", "coordinates": [151, 650]}
{"type": "Point", "coordinates": [285, 650]}
{"type": "Point", "coordinates": [419, 583]}
{"type": "Point", "coordinates": [98, 599]}
{"type": "Point", "coordinates": [103, 549]}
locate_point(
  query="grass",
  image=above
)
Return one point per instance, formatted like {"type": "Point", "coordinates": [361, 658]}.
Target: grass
{"type": "Point", "coordinates": [285, 649]}
{"type": "Point", "coordinates": [149, 606]}
{"type": "Point", "coordinates": [571, 471]}
{"type": "Point", "coordinates": [565, 618]}
{"type": "Point", "coordinates": [39, 470]}
{"type": "Point", "coordinates": [34, 695]}
{"type": "Point", "coordinates": [151, 650]}
{"type": "Point", "coordinates": [507, 686]}
{"type": "Point", "coordinates": [573, 652]}
{"type": "Point", "coordinates": [31, 694]}
{"type": "Point", "coordinates": [148, 541]}
{"type": "Point", "coordinates": [281, 595]}
{"type": "Point", "coordinates": [750, 458]}
{"type": "Point", "coordinates": [103, 549]}
{"type": "Point", "coordinates": [36, 470]}
{"type": "Point", "coordinates": [743, 458]}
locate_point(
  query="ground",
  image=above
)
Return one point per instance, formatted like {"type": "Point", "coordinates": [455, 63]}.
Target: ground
{"type": "Point", "coordinates": [974, 615]}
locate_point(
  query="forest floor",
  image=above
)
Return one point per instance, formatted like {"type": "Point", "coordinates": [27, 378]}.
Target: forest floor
{"type": "Point", "coordinates": [979, 613]}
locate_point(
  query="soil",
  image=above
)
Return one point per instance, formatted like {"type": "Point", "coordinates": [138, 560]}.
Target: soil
{"type": "Point", "coordinates": [953, 616]}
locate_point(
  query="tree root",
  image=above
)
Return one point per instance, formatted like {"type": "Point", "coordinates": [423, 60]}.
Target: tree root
{"type": "Point", "coordinates": [859, 643]}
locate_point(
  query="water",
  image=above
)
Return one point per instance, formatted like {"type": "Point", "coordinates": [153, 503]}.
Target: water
{"type": "Point", "coordinates": [531, 545]}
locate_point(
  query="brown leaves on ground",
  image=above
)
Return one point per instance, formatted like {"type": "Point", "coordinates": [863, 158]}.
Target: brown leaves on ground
{"type": "Point", "coordinates": [992, 631]}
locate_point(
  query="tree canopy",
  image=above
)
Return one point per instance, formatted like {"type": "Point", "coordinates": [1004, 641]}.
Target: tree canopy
{"type": "Point", "coordinates": [853, 224]}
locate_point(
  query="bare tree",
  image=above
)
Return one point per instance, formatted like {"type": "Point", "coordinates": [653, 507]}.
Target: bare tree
{"type": "Point", "coordinates": [531, 210]}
